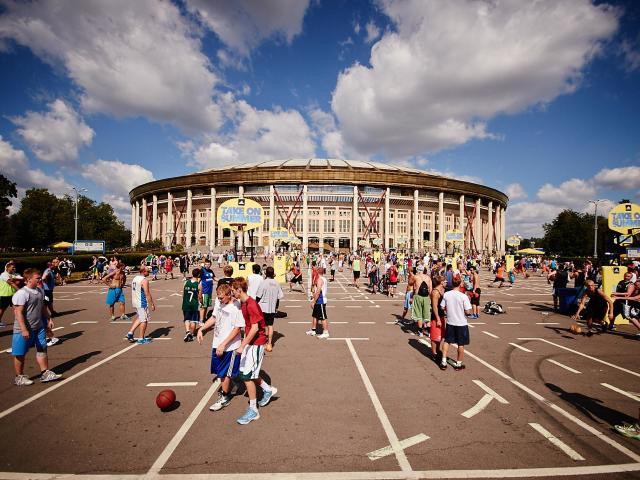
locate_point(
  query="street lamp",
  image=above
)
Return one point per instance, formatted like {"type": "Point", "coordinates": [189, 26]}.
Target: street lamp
{"type": "Point", "coordinates": [595, 226]}
{"type": "Point", "coordinates": [75, 235]}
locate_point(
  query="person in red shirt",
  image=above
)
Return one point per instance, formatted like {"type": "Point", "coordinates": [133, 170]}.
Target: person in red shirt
{"type": "Point", "coordinates": [252, 352]}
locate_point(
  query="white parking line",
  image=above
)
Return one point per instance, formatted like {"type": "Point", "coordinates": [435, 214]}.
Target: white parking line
{"type": "Point", "coordinates": [338, 323]}
{"type": "Point", "coordinates": [490, 392]}
{"type": "Point", "coordinates": [85, 321]}
{"type": "Point", "coordinates": [561, 365]}
{"type": "Point", "coordinates": [547, 323]}
{"type": "Point", "coordinates": [509, 323]}
{"type": "Point", "coordinates": [406, 443]}
{"type": "Point", "coordinates": [622, 392]}
{"type": "Point", "coordinates": [366, 323]}
{"type": "Point", "coordinates": [557, 442]}
{"type": "Point", "coordinates": [520, 347]}
{"type": "Point", "coordinates": [298, 322]}
{"type": "Point", "coordinates": [173, 384]}
{"type": "Point", "coordinates": [490, 334]}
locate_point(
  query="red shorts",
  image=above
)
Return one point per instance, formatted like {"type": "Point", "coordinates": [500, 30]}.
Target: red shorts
{"type": "Point", "coordinates": [436, 333]}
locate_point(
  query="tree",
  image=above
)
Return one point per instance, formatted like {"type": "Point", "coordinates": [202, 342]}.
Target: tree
{"type": "Point", "coordinates": [7, 192]}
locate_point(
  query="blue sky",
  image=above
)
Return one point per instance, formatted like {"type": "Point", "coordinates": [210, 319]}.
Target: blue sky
{"type": "Point", "coordinates": [538, 99]}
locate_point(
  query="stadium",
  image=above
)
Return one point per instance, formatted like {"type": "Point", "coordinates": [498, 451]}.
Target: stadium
{"type": "Point", "coordinates": [326, 204]}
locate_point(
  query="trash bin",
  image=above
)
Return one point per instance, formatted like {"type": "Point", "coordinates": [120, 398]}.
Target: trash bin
{"type": "Point", "coordinates": [566, 298]}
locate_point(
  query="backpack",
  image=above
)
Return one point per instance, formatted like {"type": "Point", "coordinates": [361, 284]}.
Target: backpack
{"type": "Point", "coordinates": [493, 308]}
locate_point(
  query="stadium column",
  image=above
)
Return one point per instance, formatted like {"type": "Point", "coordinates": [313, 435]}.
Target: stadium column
{"type": "Point", "coordinates": [272, 216]}
{"type": "Point", "coordinates": [355, 220]}
{"type": "Point", "coordinates": [490, 226]}
{"type": "Point", "coordinates": [154, 218]}
{"type": "Point", "coordinates": [189, 221]}
{"type": "Point", "coordinates": [461, 220]}
{"type": "Point", "coordinates": [441, 227]}
{"type": "Point", "coordinates": [143, 233]}
{"type": "Point", "coordinates": [415, 221]}
{"type": "Point", "coordinates": [170, 232]}
{"type": "Point", "coordinates": [134, 240]}
{"type": "Point", "coordinates": [305, 220]}
{"type": "Point", "coordinates": [386, 219]}
{"type": "Point", "coordinates": [241, 237]}
{"type": "Point", "coordinates": [502, 230]}
{"type": "Point", "coordinates": [477, 234]}
{"type": "Point", "coordinates": [498, 229]}
{"type": "Point", "coordinates": [211, 241]}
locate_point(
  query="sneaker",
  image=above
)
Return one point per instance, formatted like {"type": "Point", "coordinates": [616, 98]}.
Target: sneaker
{"type": "Point", "coordinates": [130, 337]}
{"type": "Point", "coordinates": [22, 380]}
{"type": "Point", "coordinates": [52, 341]}
{"type": "Point", "coordinates": [311, 332]}
{"type": "Point", "coordinates": [267, 396]}
{"type": "Point", "coordinates": [459, 366]}
{"type": "Point", "coordinates": [628, 430]}
{"type": "Point", "coordinates": [49, 376]}
{"type": "Point", "coordinates": [443, 366]}
{"type": "Point", "coordinates": [113, 318]}
{"type": "Point", "coordinates": [324, 335]}
{"type": "Point", "coordinates": [188, 337]}
{"type": "Point", "coordinates": [144, 341]}
{"type": "Point", "coordinates": [612, 327]}
{"type": "Point", "coordinates": [223, 401]}
{"type": "Point", "coordinates": [248, 416]}
{"type": "Point", "coordinates": [124, 317]}
{"type": "Point", "coordinates": [420, 334]}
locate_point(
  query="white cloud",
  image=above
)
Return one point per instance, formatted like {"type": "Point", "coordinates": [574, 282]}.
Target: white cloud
{"type": "Point", "coordinates": [373, 32]}
{"type": "Point", "coordinates": [244, 24]}
{"type": "Point", "coordinates": [256, 135]}
{"type": "Point", "coordinates": [631, 53]}
{"type": "Point", "coordinates": [15, 166]}
{"type": "Point", "coordinates": [515, 191]}
{"type": "Point", "coordinates": [117, 177]}
{"type": "Point", "coordinates": [621, 178]}
{"type": "Point", "coordinates": [449, 66]}
{"type": "Point", "coordinates": [574, 193]}
{"type": "Point", "coordinates": [127, 58]}
{"type": "Point", "coordinates": [527, 218]}
{"type": "Point", "coordinates": [56, 135]}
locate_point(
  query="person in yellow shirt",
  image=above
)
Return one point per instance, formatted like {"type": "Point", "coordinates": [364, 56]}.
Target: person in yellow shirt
{"type": "Point", "coordinates": [9, 284]}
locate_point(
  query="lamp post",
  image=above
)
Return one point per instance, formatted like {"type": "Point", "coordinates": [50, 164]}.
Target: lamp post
{"type": "Point", "coordinates": [595, 226]}
{"type": "Point", "coordinates": [75, 234]}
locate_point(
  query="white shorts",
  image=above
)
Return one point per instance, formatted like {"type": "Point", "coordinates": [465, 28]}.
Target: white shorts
{"type": "Point", "coordinates": [251, 362]}
{"type": "Point", "coordinates": [143, 314]}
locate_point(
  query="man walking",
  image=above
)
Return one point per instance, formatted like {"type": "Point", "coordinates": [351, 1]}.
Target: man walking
{"type": "Point", "coordinates": [421, 306]}
{"type": "Point", "coordinates": [319, 306]}
{"type": "Point", "coordinates": [141, 300]}
{"type": "Point", "coordinates": [457, 307]}
{"type": "Point", "coordinates": [116, 281]}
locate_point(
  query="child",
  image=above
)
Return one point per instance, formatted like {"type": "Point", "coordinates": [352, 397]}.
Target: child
{"type": "Point", "coordinates": [252, 351]}
{"type": "Point", "coordinates": [190, 304]}
{"type": "Point", "coordinates": [225, 361]}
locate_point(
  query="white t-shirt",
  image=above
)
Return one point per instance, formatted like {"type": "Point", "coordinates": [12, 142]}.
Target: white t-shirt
{"type": "Point", "coordinates": [456, 302]}
{"type": "Point", "coordinates": [228, 317]}
{"type": "Point", "coordinates": [269, 292]}
{"type": "Point", "coordinates": [253, 282]}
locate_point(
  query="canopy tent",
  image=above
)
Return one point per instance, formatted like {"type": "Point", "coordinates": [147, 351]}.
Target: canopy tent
{"type": "Point", "coordinates": [530, 251]}
{"type": "Point", "coordinates": [62, 245]}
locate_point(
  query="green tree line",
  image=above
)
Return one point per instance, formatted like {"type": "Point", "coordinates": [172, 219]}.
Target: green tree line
{"type": "Point", "coordinates": [43, 219]}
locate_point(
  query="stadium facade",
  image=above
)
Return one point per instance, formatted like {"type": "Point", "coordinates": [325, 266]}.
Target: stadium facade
{"type": "Point", "coordinates": [318, 200]}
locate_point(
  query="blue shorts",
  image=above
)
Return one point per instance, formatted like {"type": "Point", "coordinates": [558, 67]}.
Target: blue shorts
{"type": "Point", "coordinates": [408, 298]}
{"type": "Point", "coordinates": [228, 365]}
{"type": "Point", "coordinates": [115, 295]}
{"type": "Point", "coordinates": [193, 317]}
{"type": "Point", "coordinates": [20, 345]}
{"type": "Point", "coordinates": [458, 334]}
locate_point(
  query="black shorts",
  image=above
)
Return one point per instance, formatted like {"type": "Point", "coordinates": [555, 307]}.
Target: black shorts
{"type": "Point", "coordinates": [297, 279]}
{"type": "Point", "coordinates": [393, 284]}
{"type": "Point", "coordinates": [191, 316]}
{"type": "Point", "coordinates": [595, 312]}
{"type": "Point", "coordinates": [319, 311]}
{"type": "Point", "coordinates": [356, 275]}
{"type": "Point", "coordinates": [475, 300]}
{"type": "Point", "coordinates": [458, 334]}
{"type": "Point", "coordinates": [269, 318]}
{"type": "Point", "coordinates": [5, 302]}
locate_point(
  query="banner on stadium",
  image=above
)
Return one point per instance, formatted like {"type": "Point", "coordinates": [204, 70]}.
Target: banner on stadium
{"type": "Point", "coordinates": [240, 214]}
{"type": "Point", "coordinates": [624, 218]}
{"type": "Point", "coordinates": [281, 233]}
{"type": "Point", "coordinates": [513, 241]}
{"type": "Point", "coordinates": [454, 236]}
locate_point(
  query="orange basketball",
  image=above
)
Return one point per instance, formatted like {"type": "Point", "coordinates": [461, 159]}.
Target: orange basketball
{"type": "Point", "coordinates": [165, 399]}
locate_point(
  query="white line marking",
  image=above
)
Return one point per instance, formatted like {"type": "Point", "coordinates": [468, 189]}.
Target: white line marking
{"type": "Point", "coordinates": [294, 306]}
{"type": "Point", "coordinates": [520, 347]}
{"type": "Point", "coordinates": [553, 406]}
{"type": "Point", "coordinates": [547, 323]}
{"type": "Point", "coordinates": [57, 328]}
{"type": "Point", "coordinates": [177, 438]}
{"type": "Point", "coordinates": [477, 323]}
{"type": "Point", "coordinates": [298, 322]}
{"type": "Point", "coordinates": [366, 323]}
{"type": "Point", "coordinates": [561, 365]}
{"type": "Point", "coordinates": [85, 321]}
{"type": "Point", "coordinates": [490, 392]}
{"type": "Point", "coordinates": [353, 306]}
{"type": "Point", "coordinates": [348, 338]}
{"type": "Point", "coordinates": [338, 323]}
{"type": "Point", "coordinates": [173, 384]}
{"type": "Point", "coordinates": [403, 462]}
{"type": "Point", "coordinates": [478, 407]}
{"type": "Point", "coordinates": [8, 350]}
{"type": "Point", "coordinates": [557, 442]}
{"type": "Point", "coordinates": [636, 374]}
{"type": "Point", "coordinates": [388, 323]}
{"type": "Point", "coordinates": [626, 394]}
{"type": "Point", "coordinates": [509, 323]}
{"type": "Point", "coordinates": [63, 382]}
{"type": "Point", "coordinates": [406, 443]}
{"type": "Point", "coordinates": [490, 334]}
{"type": "Point", "coordinates": [374, 306]}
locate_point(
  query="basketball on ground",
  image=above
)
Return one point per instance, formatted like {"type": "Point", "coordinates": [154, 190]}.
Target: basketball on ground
{"type": "Point", "coordinates": [165, 399]}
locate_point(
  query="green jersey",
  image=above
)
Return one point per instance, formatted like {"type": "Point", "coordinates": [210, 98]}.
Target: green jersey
{"type": "Point", "coordinates": [190, 296]}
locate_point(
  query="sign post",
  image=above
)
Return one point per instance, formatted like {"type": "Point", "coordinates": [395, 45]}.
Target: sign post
{"type": "Point", "coordinates": [89, 246]}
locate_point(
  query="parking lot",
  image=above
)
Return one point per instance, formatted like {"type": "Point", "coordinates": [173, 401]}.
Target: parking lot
{"type": "Point", "coordinates": [534, 400]}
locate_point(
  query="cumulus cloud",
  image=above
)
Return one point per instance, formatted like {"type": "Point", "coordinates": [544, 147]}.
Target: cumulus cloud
{"type": "Point", "coordinates": [527, 218]}
{"type": "Point", "coordinates": [515, 191]}
{"type": "Point", "coordinates": [116, 177]}
{"type": "Point", "coordinates": [574, 193]}
{"type": "Point", "coordinates": [128, 58]}
{"type": "Point", "coordinates": [256, 135]}
{"type": "Point", "coordinates": [373, 32]}
{"type": "Point", "coordinates": [449, 66]}
{"type": "Point", "coordinates": [244, 24]}
{"type": "Point", "coordinates": [621, 178]}
{"type": "Point", "coordinates": [631, 53]}
{"type": "Point", "coordinates": [55, 135]}
{"type": "Point", "coordinates": [14, 165]}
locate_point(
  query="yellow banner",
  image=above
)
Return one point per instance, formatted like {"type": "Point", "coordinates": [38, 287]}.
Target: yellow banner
{"type": "Point", "coordinates": [240, 214]}
{"type": "Point", "coordinates": [625, 218]}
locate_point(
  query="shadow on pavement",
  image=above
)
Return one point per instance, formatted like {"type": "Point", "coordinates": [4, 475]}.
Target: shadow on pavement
{"type": "Point", "coordinates": [69, 364]}
{"type": "Point", "coordinates": [277, 336]}
{"type": "Point", "coordinates": [160, 332]}
{"type": "Point", "coordinates": [592, 407]}
{"type": "Point", "coordinates": [68, 312]}
{"type": "Point", "coordinates": [69, 336]}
